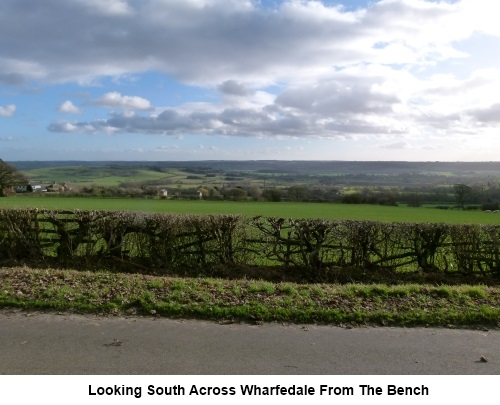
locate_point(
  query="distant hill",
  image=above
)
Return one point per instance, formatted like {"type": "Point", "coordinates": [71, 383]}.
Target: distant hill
{"type": "Point", "coordinates": [464, 169]}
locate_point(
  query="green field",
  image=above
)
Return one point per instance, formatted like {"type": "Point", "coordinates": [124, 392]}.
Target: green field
{"type": "Point", "coordinates": [116, 176]}
{"type": "Point", "coordinates": [284, 209]}
{"type": "Point", "coordinates": [77, 175]}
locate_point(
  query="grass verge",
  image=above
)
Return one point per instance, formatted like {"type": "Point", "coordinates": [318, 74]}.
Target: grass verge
{"type": "Point", "coordinates": [250, 300]}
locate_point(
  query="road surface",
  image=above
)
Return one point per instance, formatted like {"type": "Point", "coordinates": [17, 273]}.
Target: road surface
{"type": "Point", "coordinates": [56, 344]}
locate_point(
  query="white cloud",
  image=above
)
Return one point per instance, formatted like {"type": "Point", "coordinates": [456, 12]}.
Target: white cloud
{"type": "Point", "coordinates": [68, 127]}
{"type": "Point", "coordinates": [11, 79]}
{"type": "Point", "coordinates": [81, 127]}
{"type": "Point", "coordinates": [69, 107]}
{"type": "Point", "coordinates": [116, 100]}
{"type": "Point", "coordinates": [233, 88]}
{"type": "Point", "coordinates": [433, 147]}
{"type": "Point", "coordinates": [299, 69]}
{"type": "Point", "coordinates": [296, 41]}
{"type": "Point", "coordinates": [167, 148]}
{"type": "Point", "coordinates": [358, 101]}
{"type": "Point", "coordinates": [396, 145]}
{"type": "Point", "coordinates": [106, 7]}
{"type": "Point", "coordinates": [487, 115]}
{"type": "Point", "coordinates": [7, 111]}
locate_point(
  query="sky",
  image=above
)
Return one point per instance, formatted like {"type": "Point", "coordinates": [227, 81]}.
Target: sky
{"type": "Point", "coordinates": [161, 80]}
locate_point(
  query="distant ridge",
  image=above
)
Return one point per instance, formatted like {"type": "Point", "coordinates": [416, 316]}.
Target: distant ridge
{"type": "Point", "coordinates": [288, 166]}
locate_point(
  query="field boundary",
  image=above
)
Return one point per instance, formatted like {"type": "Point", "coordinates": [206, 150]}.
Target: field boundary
{"type": "Point", "coordinates": [181, 244]}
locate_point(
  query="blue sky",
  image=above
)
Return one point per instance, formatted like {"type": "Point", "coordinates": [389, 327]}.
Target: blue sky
{"type": "Point", "coordinates": [249, 79]}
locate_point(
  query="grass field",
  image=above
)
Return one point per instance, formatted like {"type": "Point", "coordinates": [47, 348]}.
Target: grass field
{"type": "Point", "coordinates": [285, 209]}
{"type": "Point", "coordinates": [116, 175]}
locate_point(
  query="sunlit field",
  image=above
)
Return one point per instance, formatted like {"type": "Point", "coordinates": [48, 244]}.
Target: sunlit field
{"type": "Point", "coordinates": [283, 209]}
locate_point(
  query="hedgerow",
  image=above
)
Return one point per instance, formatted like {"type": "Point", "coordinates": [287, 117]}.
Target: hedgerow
{"type": "Point", "coordinates": [159, 243]}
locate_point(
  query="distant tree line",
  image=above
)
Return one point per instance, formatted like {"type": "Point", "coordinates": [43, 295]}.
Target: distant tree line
{"type": "Point", "coordinates": [486, 197]}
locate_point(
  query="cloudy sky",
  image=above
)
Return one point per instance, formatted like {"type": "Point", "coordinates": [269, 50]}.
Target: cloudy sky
{"type": "Point", "coordinates": [249, 79]}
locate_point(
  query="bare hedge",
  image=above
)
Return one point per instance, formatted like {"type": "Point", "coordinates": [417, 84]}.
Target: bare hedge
{"type": "Point", "coordinates": [173, 243]}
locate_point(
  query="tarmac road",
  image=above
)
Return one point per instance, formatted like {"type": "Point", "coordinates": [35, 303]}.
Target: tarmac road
{"type": "Point", "coordinates": [68, 344]}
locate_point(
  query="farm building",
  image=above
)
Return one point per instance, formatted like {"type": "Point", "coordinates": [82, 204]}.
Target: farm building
{"type": "Point", "coordinates": [28, 188]}
{"type": "Point", "coordinates": [54, 187]}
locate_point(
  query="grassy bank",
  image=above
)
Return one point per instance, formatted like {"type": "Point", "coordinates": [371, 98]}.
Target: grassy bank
{"type": "Point", "coordinates": [250, 300]}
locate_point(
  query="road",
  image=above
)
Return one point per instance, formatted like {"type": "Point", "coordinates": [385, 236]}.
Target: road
{"type": "Point", "coordinates": [57, 344]}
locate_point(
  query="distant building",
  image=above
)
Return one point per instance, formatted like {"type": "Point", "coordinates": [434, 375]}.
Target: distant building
{"type": "Point", "coordinates": [25, 188]}
{"type": "Point", "coordinates": [54, 187]}
{"type": "Point", "coordinates": [28, 188]}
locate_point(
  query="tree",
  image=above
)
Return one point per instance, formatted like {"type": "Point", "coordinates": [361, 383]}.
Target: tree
{"type": "Point", "coordinates": [272, 194]}
{"type": "Point", "coordinates": [236, 194]}
{"type": "Point", "coordinates": [9, 176]}
{"type": "Point", "coordinates": [298, 193]}
{"type": "Point", "coordinates": [255, 192]}
{"type": "Point", "coordinates": [205, 192]}
{"type": "Point", "coordinates": [462, 194]}
{"type": "Point", "coordinates": [414, 200]}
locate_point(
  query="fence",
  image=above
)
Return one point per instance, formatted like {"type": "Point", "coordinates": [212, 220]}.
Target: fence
{"type": "Point", "coordinates": [172, 243]}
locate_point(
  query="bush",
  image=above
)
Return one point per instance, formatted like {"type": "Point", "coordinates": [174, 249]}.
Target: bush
{"type": "Point", "coordinates": [490, 206]}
